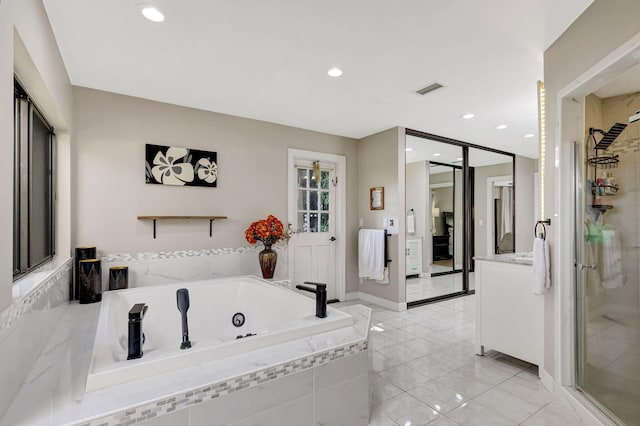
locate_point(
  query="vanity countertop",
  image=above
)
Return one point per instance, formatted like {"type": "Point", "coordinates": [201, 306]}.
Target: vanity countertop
{"type": "Point", "coordinates": [520, 258]}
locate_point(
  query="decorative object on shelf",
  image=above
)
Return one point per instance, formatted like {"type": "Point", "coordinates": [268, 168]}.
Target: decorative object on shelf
{"type": "Point", "coordinates": [156, 218]}
{"type": "Point", "coordinates": [376, 198]}
{"type": "Point", "coordinates": [268, 231]}
{"type": "Point", "coordinates": [90, 274]}
{"type": "Point", "coordinates": [172, 165]}
{"type": "Point", "coordinates": [118, 277]}
{"type": "Point", "coordinates": [82, 253]}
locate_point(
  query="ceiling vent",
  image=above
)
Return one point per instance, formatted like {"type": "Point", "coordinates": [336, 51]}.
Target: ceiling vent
{"type": "Point", "coordinates": [429, 88]}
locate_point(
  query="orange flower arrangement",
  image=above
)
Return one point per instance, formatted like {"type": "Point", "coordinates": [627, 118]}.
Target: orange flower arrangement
{"type": "Point", "coordinates": [268, 231]}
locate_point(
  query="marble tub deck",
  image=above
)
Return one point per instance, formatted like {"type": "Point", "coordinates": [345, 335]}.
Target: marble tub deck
{"type": "Point", "coordinates": [54, 392]}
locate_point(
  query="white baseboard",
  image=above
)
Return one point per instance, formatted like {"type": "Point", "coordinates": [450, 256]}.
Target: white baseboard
{"type": "Point", "coordinates": [394, 306]}
{"type": "Point", "coordinates": [546, 379]}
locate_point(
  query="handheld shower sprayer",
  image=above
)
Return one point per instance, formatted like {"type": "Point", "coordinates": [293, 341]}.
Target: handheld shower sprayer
{"type": "Point", "coordinates": [182, 296]}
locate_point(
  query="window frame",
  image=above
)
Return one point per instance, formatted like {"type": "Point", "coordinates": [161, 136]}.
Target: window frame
{"type": "Point", "coordinates": [25, 112]}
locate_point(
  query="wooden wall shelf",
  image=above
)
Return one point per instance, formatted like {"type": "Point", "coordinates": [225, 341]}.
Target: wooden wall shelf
{"type": "Point", "coordinates": [156, 218]}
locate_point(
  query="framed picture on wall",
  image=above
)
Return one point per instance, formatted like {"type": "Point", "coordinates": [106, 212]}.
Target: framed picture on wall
{"type": "Point", "coordinates": [172, 165]}
{"type": "Point", "coordinates": [376, 198]}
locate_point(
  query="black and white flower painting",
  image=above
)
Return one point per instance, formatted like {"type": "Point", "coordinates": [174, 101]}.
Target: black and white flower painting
{"type": "Point", "coordinates": [172, 165]}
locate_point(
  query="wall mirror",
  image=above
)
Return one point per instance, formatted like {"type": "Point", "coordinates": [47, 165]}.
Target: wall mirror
{"type": "Point", "coordinates": [450, 220]}
{"type": "Point", "coordinates": [493, 202]}
{"type": "Point", "coordinates": [434, 195]}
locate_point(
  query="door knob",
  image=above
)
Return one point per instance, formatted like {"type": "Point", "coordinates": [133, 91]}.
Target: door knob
{"type": "Point", "coordinates": [332, 238]}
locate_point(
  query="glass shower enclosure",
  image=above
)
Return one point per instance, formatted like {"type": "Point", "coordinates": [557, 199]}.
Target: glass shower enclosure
{"type": "Point", "coordinates": [607, 246]}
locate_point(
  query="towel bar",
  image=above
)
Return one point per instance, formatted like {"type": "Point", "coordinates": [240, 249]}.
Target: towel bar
{"type": "Point", "coordinates": [386, 248]}
{"type": "Point", "coordinates": [543, 234]}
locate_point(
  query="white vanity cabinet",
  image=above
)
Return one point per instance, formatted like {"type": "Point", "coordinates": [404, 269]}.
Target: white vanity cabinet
{"type": "Point", "coordinates": [509, 316]}
{"type": "Point", "coordinates": [413, 256]}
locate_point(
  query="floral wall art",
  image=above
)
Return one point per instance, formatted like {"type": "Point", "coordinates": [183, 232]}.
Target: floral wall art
{"type": "Point", "coordinates": [172, 165]}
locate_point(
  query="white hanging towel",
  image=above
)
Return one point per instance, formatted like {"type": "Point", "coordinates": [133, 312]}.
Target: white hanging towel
{"type": "Point", "coordinates": [611, 272]}
{"type": "Point", "coordinates": [411, 223]}
{"type": "Point", "coordinates": [541, 276]}
{"type": "Point", "coordinates": [371, 254]}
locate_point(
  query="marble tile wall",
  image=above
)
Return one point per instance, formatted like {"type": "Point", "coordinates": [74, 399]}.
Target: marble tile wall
{"type": "Point", "coordinates": [25, 327]}
{"type": "Point", "coordinates": [147, 269]}
{"type": "Point", "coordinates": [333, 393]}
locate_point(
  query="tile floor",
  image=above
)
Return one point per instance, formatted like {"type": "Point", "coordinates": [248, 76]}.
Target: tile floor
{"type": "Point", "coordinates": [423, 370]}
{"type": "Point", "coordinates": [428, 287]}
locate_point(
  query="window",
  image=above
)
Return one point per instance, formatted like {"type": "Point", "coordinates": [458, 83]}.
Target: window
{"type": "Point", "coordinates": [313, 201]}
{"type": "Point", "coordinates": [33, 195]}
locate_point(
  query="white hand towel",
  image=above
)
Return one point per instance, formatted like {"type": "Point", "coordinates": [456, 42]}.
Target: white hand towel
{"type": "Point", "coordinates": [411, 224]}
{"type": "Point", "coordinates": [371, 254]}
{"type": "Point", "coordinates": [547, 265]}
{"type": "Point", "coordinates": [611, 272]}
{"type": "Point", "coordinates": [540, 270]}
{"type": "Point", "coordinates": [385, 279]}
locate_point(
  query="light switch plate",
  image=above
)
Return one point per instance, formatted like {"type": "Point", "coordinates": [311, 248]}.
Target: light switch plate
{"type": "Point", "coordinates": [392, 227]}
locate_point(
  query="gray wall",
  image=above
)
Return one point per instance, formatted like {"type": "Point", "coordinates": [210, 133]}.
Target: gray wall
{"type": "Point", "coordinates": [380, 165]}
{"type": "Point", "coordinates": [603, 27]}
{"type": "Point", "coordinates": [108, 163]}
{"type": "Point", "coordinates": [28, 48]}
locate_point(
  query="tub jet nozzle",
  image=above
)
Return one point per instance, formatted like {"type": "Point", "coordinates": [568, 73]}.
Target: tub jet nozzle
{"type": "Point", "coordinates": [182, 296]}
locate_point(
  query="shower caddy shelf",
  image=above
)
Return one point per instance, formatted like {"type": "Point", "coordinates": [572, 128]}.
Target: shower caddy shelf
{"type": "Point", "coordinates": [156, 218]}
{"type": "Point", "coordinates": [608, 190]}
{"type": "Point", "coordinates": [600, 161]}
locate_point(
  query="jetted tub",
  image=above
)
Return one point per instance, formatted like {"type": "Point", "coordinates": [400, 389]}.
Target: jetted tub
{"type": "Point", "coordinates": [274, 314]}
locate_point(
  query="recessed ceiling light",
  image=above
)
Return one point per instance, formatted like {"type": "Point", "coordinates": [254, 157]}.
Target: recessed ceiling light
{"type": "Point", "coordinates": [152, 13]}
{"type": "Point", "coordinates": [468, 116]}
{"type": "Point", "coordinates": [334, 72]}
{"type": "Point", "coordinates": [529, 135]}
{"type": "Point", "coordinates": [501, 126]}
{"type": "Point", "coordinates": [459, 159]}
{"type": "Point", "coordinates": [436, 154]}
{"type": "Point", "coordinates": [408, 149]}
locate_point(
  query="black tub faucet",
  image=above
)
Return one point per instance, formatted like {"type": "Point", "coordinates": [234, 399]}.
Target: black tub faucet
{"type": "Point", "coordinates": [182, 296]}
{"type": "Point", "coordinates": [136, 336]}
{"type": "Point", "coordinates": [321, 297]}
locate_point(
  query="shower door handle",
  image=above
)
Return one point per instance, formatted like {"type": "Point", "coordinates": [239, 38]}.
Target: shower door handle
{"type": "Point", "coordinates": [593, 266]}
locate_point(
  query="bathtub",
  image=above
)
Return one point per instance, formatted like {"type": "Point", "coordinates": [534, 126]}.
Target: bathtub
{"type": "Point", "coordinates": [274, 314]}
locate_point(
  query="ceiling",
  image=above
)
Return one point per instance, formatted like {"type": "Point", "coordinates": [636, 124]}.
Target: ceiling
{"type": "Point", "coordinates": [268, 60]}
{"type": "Point", "coordinates": [420, 149]}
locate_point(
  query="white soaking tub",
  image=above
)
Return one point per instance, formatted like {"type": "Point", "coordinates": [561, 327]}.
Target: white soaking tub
{"type": "Point", "coordinates": [274, 314]}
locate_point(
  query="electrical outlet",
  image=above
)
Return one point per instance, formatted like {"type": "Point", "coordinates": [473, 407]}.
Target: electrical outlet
{"type": "Point", "coordinates": [361, 222]}
{"type": "Point", "coordinates": [384, 222]}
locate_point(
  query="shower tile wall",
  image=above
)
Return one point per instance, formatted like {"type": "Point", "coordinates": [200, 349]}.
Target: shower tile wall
{"type": "Point", "coordinates": [189, 265]}
{"type": "Point", "coordinates": [603, 113]}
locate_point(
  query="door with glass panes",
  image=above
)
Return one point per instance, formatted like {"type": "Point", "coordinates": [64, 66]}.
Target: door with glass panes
{"type": "Point", "coordinates": [314, 242]}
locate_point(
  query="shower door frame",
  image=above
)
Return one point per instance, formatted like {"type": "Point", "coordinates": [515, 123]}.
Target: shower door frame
{"type": "Point", "coordinates": [569, 128]}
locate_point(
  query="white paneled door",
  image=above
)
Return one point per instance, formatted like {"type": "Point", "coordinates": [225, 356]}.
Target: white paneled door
{"type": "Point", "coordinates": [314, 215]}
